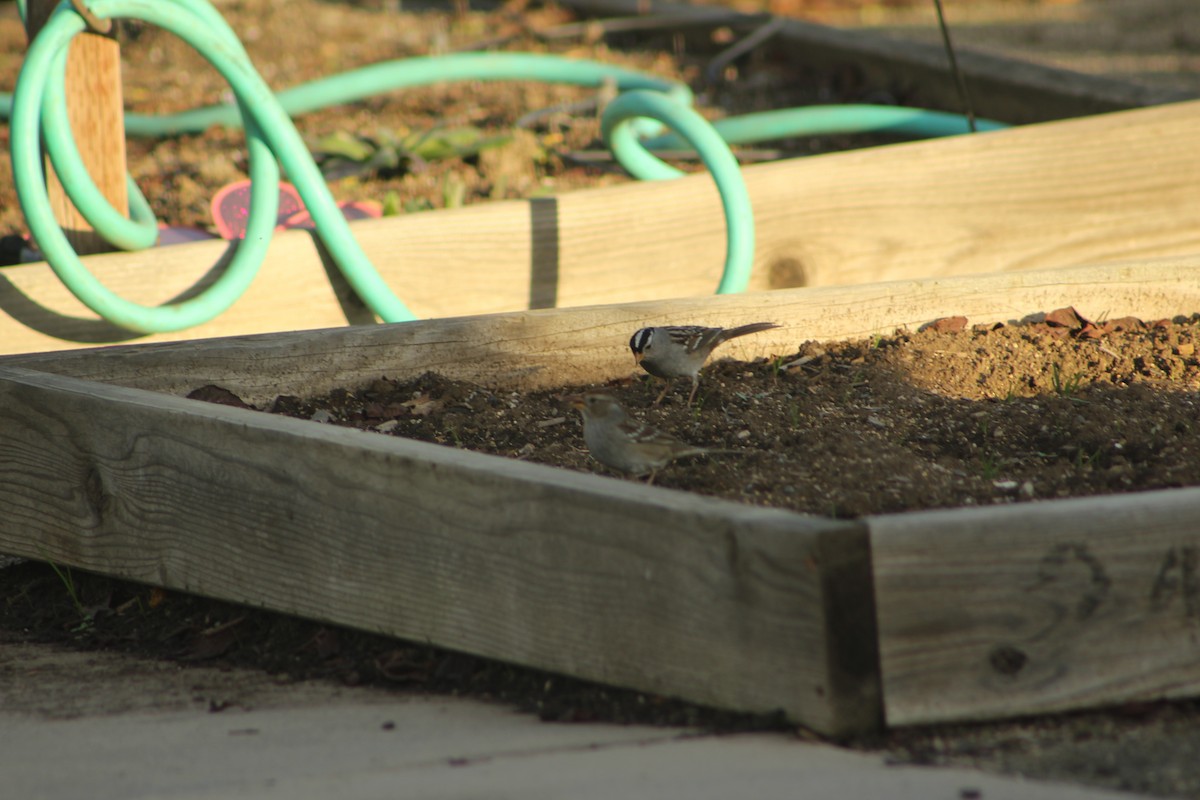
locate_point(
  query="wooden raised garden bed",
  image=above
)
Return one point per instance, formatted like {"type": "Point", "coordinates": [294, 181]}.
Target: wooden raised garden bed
{"type": "Point", "coordinates": [1001, 88]}
{"type": "Point", "coordinates": [1089, 190]}
{"type": "Point", "coordinates": [843, 624]}
{"type": "Point", "coordinates": [904, 618]}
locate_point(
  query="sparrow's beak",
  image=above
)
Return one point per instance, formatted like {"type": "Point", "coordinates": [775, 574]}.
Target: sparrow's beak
{"type": "Point", "coordinates": [573, 400]}
{"type": "Point", "coordinates": [637, 357]}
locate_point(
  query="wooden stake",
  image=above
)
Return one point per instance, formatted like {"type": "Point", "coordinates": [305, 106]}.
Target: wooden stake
{"type": "Point", "coordinates": [95, 109]}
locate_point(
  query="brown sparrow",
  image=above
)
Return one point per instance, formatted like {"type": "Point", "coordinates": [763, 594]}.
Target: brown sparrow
{"type": "Point", "coordinates": [618, 441]}
{"type": "Point", "coordinates": [678, 351]}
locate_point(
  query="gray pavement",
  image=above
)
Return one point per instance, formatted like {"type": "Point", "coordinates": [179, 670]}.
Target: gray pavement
{"type": "Point", "coordinates": [109, 727]}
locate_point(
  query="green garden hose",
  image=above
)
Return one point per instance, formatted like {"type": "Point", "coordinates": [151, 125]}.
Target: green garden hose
{"type": "Point", "coordinates": [617, 129]}
{"type": "Point", "coordinates": [39, 107]}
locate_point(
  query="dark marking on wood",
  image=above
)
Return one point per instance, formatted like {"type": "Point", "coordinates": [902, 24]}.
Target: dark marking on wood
{"type": "Point", "coordinates": [1007, 659]}
{"type": "Point", "coordinates": [93, 491]}
{"type": "Point", "coordinates": [1165, 582]}
{"type": "Point", "coordinates": [545, 257]}
{"type": "Point", "coordinates": [1178, 575]}
{"type": "Point", "coordinates": [1058, 558]}
{"type": "Point", "coordinates": [1191, 583]}
{"type": "Point", "coordinates": [733, 551]}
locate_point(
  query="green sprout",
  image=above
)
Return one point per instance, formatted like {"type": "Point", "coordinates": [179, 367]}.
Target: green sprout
{"type": "Point", "coordinates": [1065, 386]}
{"type": "Point", "coordinates": [343, 154]}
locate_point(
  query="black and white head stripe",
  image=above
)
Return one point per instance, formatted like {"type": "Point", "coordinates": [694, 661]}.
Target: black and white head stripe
{"type": "Point", "coordinates": [639, 340]}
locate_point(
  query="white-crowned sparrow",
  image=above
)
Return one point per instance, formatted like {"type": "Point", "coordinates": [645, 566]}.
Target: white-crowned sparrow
{"type": "Point", "coordinates": [618, 441]}
{"type": "Point", "coordinates": [679, 351]}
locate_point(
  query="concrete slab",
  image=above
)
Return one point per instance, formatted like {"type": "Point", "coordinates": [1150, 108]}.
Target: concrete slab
{"type": "Point", "coordinates": [71, 726]}
{"type": "Point", "coordinates": [445, 749]}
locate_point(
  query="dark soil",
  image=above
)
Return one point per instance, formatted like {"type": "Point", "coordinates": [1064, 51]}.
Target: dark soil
{"type": "Point", "coordinates": [934, 418]}
{"type": "Point", "coordinates": [87, 611]}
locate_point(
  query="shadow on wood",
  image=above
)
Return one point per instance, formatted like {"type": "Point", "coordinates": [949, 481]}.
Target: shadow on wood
{"type": "Point", "coordinates": [1118, 186]}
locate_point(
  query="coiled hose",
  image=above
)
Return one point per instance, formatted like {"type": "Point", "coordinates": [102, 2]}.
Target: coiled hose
{"type": "Point", "coordinates": [38, 109]}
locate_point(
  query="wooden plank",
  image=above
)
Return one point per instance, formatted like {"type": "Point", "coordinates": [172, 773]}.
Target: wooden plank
{"type": "Point", "coordinates": [1106, 188]}
{"type": "Point", "coordinates": [95, 109]}
{"type": "Point", "coordinates": [720, 603]}
{"type": "Point", "coordinates": [1001, 88]}
{"type": "Point", "coordinates": [557, 347]}
{"type": "Point", "coordinates": [1038, 607]}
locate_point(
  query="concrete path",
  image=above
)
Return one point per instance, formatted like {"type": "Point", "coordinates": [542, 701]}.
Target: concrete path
{"type": "Point", "coordinates": [106, 727]}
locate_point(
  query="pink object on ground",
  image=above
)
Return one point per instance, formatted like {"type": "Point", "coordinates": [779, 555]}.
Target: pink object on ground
{"type": "Point", "coordinates": [231, 209]}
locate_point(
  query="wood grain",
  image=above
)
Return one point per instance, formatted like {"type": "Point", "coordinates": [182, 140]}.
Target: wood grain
{"type": "Point", "coordinates": [95, 108]}
{"type": "Point", "coordinates": [564, 347]}
{"type": "Point", "coordinates": [607, 580]}
{"type": "Point", "coordinates": [1038, 607]}
{"type": "Point", "coordinates": [1099, 189]}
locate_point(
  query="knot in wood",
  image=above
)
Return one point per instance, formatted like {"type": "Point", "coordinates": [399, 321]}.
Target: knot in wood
{"type": "Point", "coordinates": [787, 272]}
{"type": "Point", "coordinates": [97, 498]}
{"type": "Point", "coordinates": [1007, 659]}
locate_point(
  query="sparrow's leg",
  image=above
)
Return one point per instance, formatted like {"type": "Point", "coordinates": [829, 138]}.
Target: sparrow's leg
{"type": "Point", "coordinates": [663, 393]}
{"type": "Point", "coordinates": [695, 386]}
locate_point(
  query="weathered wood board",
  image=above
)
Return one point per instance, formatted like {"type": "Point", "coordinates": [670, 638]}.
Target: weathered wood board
{"type": "Point", "coordinates": [548, 348]}
{"type": "Point", "coordinates": [1002, 88]}
{"type": "Point", "coordinates": [720, 603]}
{"type": "Point", "coordinates": [1038, 607]}
{"type": "Point", "coordinates": [1106, 188]}
{"type": "Point", "coordinates": [981, 613]}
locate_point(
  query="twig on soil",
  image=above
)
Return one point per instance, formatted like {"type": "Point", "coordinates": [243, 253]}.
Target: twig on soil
{"type": "Point", "coordinates": [712, 73]}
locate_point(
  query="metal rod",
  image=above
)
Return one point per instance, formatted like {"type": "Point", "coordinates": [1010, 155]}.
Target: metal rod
{"type": "Point", "coordinates": [963, 96]}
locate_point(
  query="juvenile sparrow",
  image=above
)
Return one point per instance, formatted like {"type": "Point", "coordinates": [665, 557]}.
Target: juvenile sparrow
{"type": "Point", "coordinates": [678, 351]}
{"type": "Point", "coordinates": [618, 441]}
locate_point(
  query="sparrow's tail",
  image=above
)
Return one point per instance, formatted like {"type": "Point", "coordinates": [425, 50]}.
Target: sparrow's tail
{"type": "Point", "coordinates": [745, 330]}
